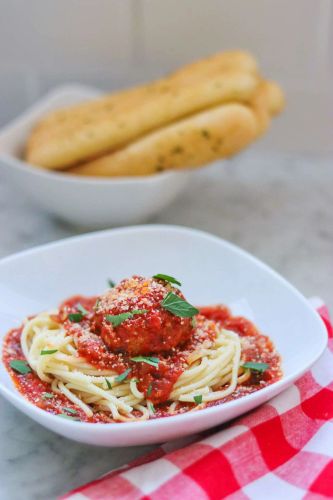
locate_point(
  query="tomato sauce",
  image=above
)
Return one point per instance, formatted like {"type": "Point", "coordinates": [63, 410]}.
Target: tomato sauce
{"type": "Point", "coordinates": [156, 382]}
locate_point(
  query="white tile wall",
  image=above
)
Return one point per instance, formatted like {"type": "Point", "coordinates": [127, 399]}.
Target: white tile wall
{"type": "Point", "coordinates": [49, 35]}
{"type": "Point", "coordinates": [282, 33]}
{"type": "Point", "coordinates": [112, 43]}
{"type": "Point", "coordinates": [46, 42]}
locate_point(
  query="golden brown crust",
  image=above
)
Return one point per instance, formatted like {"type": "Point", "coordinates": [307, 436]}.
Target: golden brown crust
{"type": "Point", "coordinates": [239, 60]}
{"type": "Point", "coordinates": [267, 101]}
{"type": "Point", "coordinates": [77, 133]}
{"type": "Point", "coordinates": [191, 142]}
{"type": "Point", "coordinates": [157, 126]}
{"type": "Point", "coordinates": [132, 117]}
{"type": "Point", "coordinates": [274, 96]}
{"type": "Point", "coordinates": [223, 61]}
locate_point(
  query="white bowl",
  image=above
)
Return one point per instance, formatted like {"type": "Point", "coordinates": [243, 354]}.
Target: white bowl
{"type": "Point", "coordinates": [211, 271]}
{"type": "Point", "coordinates": [86, 201]}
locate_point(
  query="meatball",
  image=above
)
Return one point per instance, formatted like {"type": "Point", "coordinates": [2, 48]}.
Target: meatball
{"type": "Point", "coordinates": [152, 331]}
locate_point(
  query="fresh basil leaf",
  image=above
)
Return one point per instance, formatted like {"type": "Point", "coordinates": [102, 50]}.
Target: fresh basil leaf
{"type": "Point", "coordinates": [70, 410]}
{"type": "Point", "coordinates": [152, 409]}
{"type": "Point", "coordinates": [166, 277]}
{"type": "Point", "coordinates": [63, 415]}
{"type": "Point", "coordinates": [48, 351]}
{"type": "Point", "coordinates": [82, 310]}
{"type": "Point", "coordinates": [20, 366]}
{"type": "Point", "coordinates": [198, 399]}
{"type": "Point", "coordinates": [257, 367]}
{"type": "Point", "coordinates": [178, 306]}
{"type": "Point", "coordinates": [150, 360]}
{"type": "Point", "coordinates": [149, 390]}
{"type": "Point", "coordinates": [75, 317]}
{"type": "Point", "coordinates": [111, 283]}
{"type": "Point", "coordinates": [108, 383]}
{"type": "Point", "coordinates": [123, 376]}
{"type": "Point", "coordinates": [48, 395]}
{"type": "Point", "coordinates": [117, 319]}
{"type": "Point", "coordinates": [139, 311]}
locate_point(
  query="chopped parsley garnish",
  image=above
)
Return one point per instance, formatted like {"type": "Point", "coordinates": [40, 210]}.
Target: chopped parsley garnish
{"type": "Point", "coordinates": [108, 383]}
{"type": "Point", "coordinates": [111, 283]}
{"type": "Point", "coordinates": [75, 317]}
{"type": "Point", "coordinates": [70, 410]}
{"type": "Point", "coordinates": [198, 399]}
{"type": "Point", "coordinates": [117, 319]}
{"type": "Point", "coordinates": [48, 351]}
{"type": "Point", "coordinates": [139, 311]}
{"type": "Point", "coordinates": [123, 376]}
{"type": "Point", "coordinates": [178, 306]}
{"type": "Point", "coordinates": [63, 415]}
{"type": "Point", "coordinates": [257, 367]}
{"type": "Point", "coordinates": [48, 395]}
{"type": "Point", "coordinates": [82, 310]}
{"type": "Point", "coordinates": [20, 366]}
{"type": "Point", "coordinates": [150, 388]}
{"type": "Point", "coordinates": [152, 409]}
{"type": "Point", "coordinates": [166, 277]}
{"type": "Point", "coordinates": [150, 360]}
{"type": "Point", "coordinates": [177, 150]}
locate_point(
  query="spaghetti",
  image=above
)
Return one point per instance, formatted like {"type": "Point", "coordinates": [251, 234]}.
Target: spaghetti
{"type": "Point", "coordinates": [115, 358]}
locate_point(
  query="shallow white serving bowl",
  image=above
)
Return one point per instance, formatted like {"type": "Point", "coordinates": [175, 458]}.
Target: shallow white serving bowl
{"type": "Point", "coordinates": [86, 201]}
{"type": "Point", "coordinates": [211, 270]}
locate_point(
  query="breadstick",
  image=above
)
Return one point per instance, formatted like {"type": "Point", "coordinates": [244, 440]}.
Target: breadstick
{"type": "Point", "coordinates": [84, 131]}
{"type": "Point", "coordinates": [191, 142]}
{"type": "Point", "coordinates": [274, 96]}
{"type": "Point", "coordinates": [223, 61]}
{"type": "Point", "coordinates": [129, 119]}
{"type": "Point", "coordinates": [267, 101]}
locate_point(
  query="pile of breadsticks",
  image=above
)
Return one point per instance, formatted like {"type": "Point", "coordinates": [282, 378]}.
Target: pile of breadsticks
{"type": "Point", "coordinates": [205, 111]}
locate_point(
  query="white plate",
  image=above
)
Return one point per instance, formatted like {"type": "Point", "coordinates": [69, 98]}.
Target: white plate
{"type": "Point", "coordinates": [211, 271]}
{"type": "Point", "coordinates": [86, 201]}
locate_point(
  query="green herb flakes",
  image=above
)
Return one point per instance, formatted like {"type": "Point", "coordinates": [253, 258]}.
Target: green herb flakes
{"type": "Point", "coordinates": [122, 376]}
{"type": "Point", "coordinates": [117, 319]}
{"type": "Point", "coordinates": [198, 399]}
{"type": "Point", "coordinates": [20, 366]}
{"type": "Point", "coordinates": [44, 352]}
{"type": "Point", "coordinates": [75, 317]}
{"type": "Point", "coordinates": [150, 360]}
{"type": "Point", "coordinates": [257, 367]}
{"type": "Point", "coordinates": [178, 306]}
{"type": "Point", "coordinates": [166, 277]}
{"type": "Point", "coordinates": [48, 395]}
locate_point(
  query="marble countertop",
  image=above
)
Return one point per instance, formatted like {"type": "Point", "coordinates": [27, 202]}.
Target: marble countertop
{"type": "Point", "coordinates": [278, 207]}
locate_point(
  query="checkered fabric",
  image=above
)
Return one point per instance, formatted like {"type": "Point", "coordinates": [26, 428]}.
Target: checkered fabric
{"type": "Point", "coordinates": [283, 450]}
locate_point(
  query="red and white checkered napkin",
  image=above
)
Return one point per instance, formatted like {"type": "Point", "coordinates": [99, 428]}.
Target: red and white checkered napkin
{"type": "Point", "coordinates": [282, 450]}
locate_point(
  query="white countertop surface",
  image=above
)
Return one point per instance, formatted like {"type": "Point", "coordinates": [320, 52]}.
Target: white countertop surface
{"type": "Point", "coordinates": [278, 207]}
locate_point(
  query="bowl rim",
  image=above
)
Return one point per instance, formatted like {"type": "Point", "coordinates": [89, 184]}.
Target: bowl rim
{"type": "Point", "coordinates": [187, 417]}
{"type": "Point", "coordinates": [58, 175]}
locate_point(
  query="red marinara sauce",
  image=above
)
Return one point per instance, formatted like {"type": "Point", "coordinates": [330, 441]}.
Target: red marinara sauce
{"type": "Point", "coordinates": [156, 382]}
{"type": "Point", "coordinates": [256, 347]}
